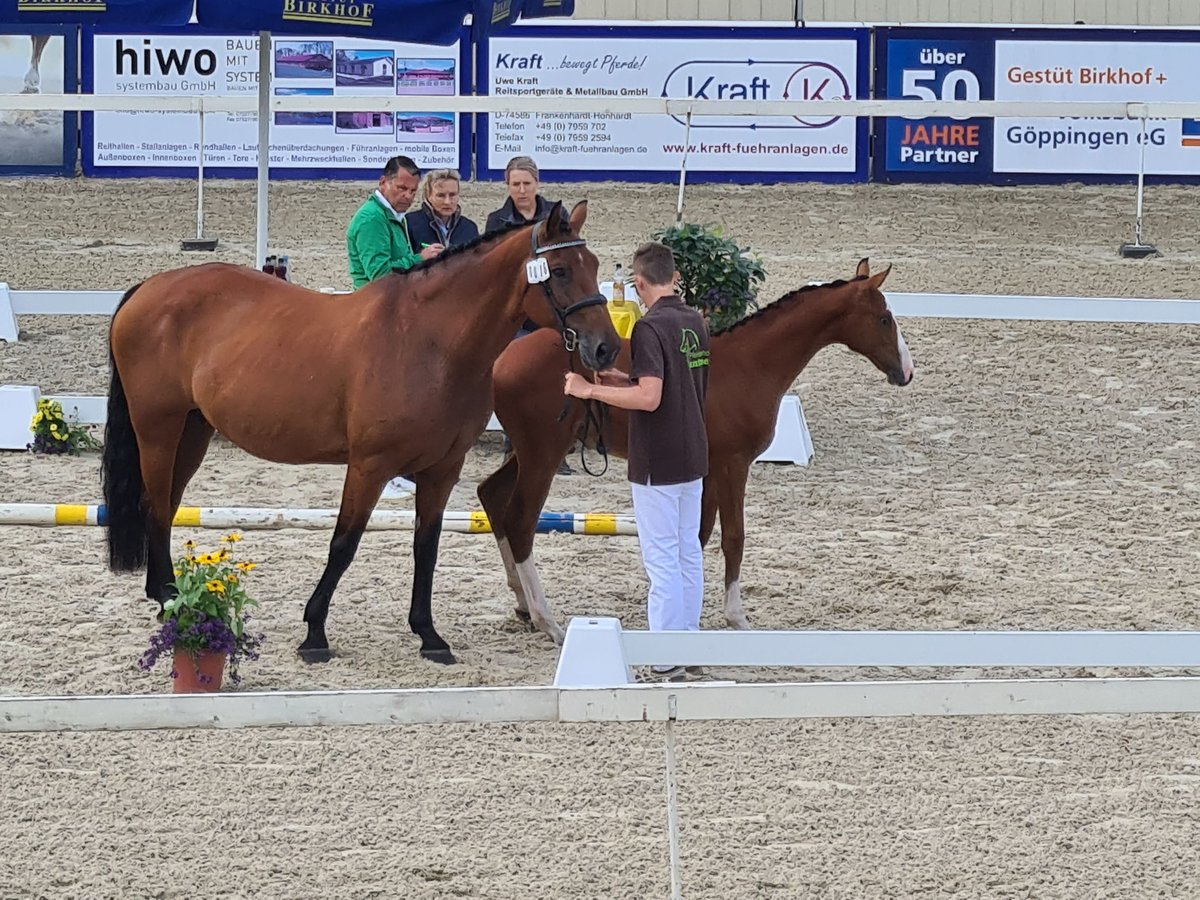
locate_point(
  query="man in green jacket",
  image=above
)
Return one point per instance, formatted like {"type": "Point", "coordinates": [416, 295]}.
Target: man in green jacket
{"type": "Point", "coordinates": [377, 240]}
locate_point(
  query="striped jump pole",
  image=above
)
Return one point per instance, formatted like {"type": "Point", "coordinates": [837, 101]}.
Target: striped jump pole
{"type": "Point", "coordinates": [262, 519]}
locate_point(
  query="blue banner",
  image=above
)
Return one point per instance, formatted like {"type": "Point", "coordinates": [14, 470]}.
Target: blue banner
{"type": "Point", "coordinates": [112, 13]}
{"type": "Point", "coordinates": [935, 64]}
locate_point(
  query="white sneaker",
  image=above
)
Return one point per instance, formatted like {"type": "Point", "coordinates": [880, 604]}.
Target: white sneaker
{"type": "Point", "coordinates": [399, 487]}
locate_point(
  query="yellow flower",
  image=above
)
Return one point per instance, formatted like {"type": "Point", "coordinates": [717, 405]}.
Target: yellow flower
{"type": "Point", "coordinates": [191, 560]}
{"type": "Point", "coordinates": [190, 545]}
{"type": "Point", "coordinates": [245, 566]}
{"type": "Point", "coordinates": [38, 416]}
{"type": "Point", "coordinates": [54, 428]}
{"type": "Point", "coordinates": [214, 587]}
{"type": "Point", "coordinates": [231, 578]}
{"type": "Point", "coordinates": [233, 538]}
{"type": "Point", "coordinates": [178, 572]}
{"type": "Point", "coordinates": [221, 555]}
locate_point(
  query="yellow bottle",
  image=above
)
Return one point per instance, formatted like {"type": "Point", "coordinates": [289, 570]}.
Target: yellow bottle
{"type": "Point", "coordinates": [618, 288]}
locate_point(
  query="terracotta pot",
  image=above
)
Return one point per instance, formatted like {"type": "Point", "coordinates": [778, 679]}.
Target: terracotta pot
{"type": "Point", "coordinates": [198, 673]}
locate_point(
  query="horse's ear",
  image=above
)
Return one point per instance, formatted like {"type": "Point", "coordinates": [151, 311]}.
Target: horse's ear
{"type": "Point", "coordinates": [553, 221]}
{"type": "Point", "coordinates": [578, 216]}
{"type": "Point", "coordinates": [863, 269]}
{"type": "Point", "coordinates": [877, 280]}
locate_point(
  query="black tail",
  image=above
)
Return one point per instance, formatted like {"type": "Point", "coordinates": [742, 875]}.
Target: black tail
{"type": "Point", "coordinates": [121, 474]}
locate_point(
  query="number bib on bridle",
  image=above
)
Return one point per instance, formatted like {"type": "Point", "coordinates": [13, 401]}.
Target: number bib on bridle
{"type": "Point", "coordinates": [537, 271]}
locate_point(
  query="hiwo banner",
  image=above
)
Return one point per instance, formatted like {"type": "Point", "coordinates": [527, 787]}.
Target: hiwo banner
{"type": "Point", "coordinates": [313, 144]}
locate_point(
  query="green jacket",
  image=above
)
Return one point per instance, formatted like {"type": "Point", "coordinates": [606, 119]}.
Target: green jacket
{"type": "Point", "coordinates": [377, 242]}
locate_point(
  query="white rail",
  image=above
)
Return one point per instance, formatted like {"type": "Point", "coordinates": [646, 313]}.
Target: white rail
{"type": "Point", "coordinates": [506, 103]}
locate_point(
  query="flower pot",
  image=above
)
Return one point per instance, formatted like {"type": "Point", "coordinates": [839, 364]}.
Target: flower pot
{"type": "Point", "coordinates": [198, 673]}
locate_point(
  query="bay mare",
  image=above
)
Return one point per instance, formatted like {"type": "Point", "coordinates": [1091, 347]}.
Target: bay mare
{"type": "Point", "coordinates": [394, 378]}
{"type": "Point", "coordinates": [753, 363]}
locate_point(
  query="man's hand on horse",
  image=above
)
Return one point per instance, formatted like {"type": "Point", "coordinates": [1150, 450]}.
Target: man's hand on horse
{"type": "Point", "coordinates": [431, 250]}
{"type": "Point", "coordinates": [576, 385]}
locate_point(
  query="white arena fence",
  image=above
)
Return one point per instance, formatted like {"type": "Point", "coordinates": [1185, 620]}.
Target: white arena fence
{"type": "Point", "coordinates": [792, 442]}
{"type": "Point", "coordinates": [593, 686]}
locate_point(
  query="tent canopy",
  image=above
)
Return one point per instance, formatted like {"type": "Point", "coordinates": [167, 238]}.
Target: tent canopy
{"type": "Point", "coordinates": [415, 21]}
{"type": "Point", "coordinates": [115, 13]}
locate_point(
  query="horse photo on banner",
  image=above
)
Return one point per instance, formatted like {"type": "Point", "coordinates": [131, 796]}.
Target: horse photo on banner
{"type": "Point", "coordinates": [37, 142]}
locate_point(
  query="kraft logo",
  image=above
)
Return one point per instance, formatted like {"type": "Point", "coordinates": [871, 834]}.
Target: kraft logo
{"type": "Point", "coordinates": [757, 79]}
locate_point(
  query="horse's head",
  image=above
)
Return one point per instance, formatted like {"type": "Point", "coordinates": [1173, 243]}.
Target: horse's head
{"type": "Point", "coordinates": [869, 327]}
{"type": "Point", "coordinates": [569, 298]}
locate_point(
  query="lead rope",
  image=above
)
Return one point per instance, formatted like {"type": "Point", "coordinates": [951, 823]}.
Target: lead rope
{"type": "Point", "coordinates": [592, 418]}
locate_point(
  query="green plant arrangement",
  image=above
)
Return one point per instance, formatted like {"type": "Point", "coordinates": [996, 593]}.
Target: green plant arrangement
{"type": "Point", "coordinates": [53, 433]}
{"type": "Point", "coordinates": [717, 276]}
{"type": "Point", "coordinates": [205, 623]}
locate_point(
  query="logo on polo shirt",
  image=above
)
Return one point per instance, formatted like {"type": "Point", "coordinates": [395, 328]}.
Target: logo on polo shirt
{"type": "Point", "coordinates": [690, 347]}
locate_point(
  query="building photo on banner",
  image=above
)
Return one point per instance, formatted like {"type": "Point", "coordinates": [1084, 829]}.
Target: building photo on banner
{"type": "Point", "coordinates": [304, 144]}
{"type": "Point", "coordinates": [37, 142]}
{"type": "Point", "coordinates": [703, 63]}
{"type": "Point", "coordinates": [1037, 65]}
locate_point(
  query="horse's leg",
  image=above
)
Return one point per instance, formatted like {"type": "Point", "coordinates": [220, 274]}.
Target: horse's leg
{"type": "Point", "coordinates": [732, 501]}
{"type": "Point", "coordinates": [495, 494]}
{"type": "Point", "coordinates": [433, 490]}
{"type": "Point", "coordinates": [33, 77]}
{"type": "Point", "coordinates": [708, 510]}
{"type": "Point", "coordinates": [159, 439]}
{"type": "Point", "coordinates": [534, 477]}
{"type": "Point", "coordinates": [364, 483]}
{"type": "Point", "coordinates": [197, 434]}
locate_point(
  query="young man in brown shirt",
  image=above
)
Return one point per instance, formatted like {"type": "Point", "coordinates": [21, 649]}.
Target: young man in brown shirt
{"type": "Point", "coordinates": [668, 443]}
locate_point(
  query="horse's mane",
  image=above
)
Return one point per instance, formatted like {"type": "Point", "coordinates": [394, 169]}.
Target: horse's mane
{"type": "Point", "coordinates": [564, 227]}
{"type": "Point", "coordinates": [788, 299]}
{"type": "Point", "coordinates": [459, 249]}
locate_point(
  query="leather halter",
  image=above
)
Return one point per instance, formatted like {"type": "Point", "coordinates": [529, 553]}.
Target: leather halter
{"type": "Point", "coordinates": [569, 335]}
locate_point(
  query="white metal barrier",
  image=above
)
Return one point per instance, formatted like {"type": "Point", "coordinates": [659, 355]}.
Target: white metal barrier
{"type": "Point", "coordinates": [618, 701]}
{"type": "Point", "coordinates": [792, 442]}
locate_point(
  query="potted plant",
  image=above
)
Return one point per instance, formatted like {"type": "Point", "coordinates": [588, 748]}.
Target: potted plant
{"type": "Point", "coordinates": [53, 433]}
{"type": "Point", "coordinates": [715, 275]}
{"type": "Point", "coordinates": [204, 625]}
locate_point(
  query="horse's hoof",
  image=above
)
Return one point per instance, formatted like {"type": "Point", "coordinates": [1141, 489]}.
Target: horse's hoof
{"type": "Point", "coordinates": [315, 654]}
{"type": "Point", "coordinates": [522, 614]}
{"type": "Point", "coordinates": [445, 657]}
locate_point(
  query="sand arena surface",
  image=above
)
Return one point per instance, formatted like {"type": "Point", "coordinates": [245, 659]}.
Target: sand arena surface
{"type": "Point", "coordinates": [1034, 476]}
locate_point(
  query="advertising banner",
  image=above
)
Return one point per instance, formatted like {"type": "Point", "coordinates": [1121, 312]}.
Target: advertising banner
{"type": "Point", "coordinates": [37, 142]}
{"type": "Point", "coordinates": [1129, 68]}
{"type": "Point", "coordinates": [1036, 65]}
{"type": "Point", "coordinates": [304, 144]}
{"type": "Point", "coordinates": [934, 64]}
{"type": "Point", "coordinates": [704, 63]}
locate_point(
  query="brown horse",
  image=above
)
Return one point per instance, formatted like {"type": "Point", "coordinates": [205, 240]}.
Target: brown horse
{"type": "Point", "coordinates": [753, 364]}
{"type": "Point", "coordinates": [395, 378]}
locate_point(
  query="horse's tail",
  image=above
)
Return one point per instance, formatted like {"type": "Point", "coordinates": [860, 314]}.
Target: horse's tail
{"type": "Point", "coordinates": [121, 474]}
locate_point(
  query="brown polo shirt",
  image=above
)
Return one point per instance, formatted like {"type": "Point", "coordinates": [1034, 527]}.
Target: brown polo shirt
{"type": "Point", "coordinates": [670, 445]}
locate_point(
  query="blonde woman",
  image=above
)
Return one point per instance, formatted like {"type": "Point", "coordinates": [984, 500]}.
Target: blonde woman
{"type": "Point", "coordinates": [439, 220]}
{"type": "Point", "coordinates": [524, 203]}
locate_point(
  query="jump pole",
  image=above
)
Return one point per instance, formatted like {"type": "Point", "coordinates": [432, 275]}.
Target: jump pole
{"type": "Point", "coordinates": [265, 519]}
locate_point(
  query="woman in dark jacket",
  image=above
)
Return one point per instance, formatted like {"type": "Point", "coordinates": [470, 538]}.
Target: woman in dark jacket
{"type": "Point", "coordinates": [524, 203]}
{"type": "Point", "coordinates": [439, 220]}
